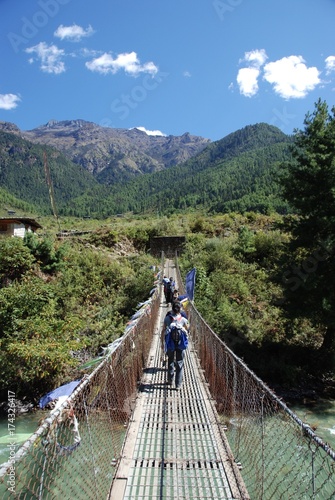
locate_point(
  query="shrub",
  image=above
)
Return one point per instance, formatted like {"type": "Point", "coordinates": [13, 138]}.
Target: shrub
{"type": "Point", "coordinates": [15, 260]}
{"type": "Point", "coordinates": [49, 256]}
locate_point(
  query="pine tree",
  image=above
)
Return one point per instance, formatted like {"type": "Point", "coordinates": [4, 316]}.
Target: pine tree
{"type": "Point", "coordinates": [309, 187]}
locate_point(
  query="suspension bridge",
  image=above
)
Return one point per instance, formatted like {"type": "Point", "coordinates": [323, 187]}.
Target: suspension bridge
{"type": "Point", "coordinates": [124, 433]}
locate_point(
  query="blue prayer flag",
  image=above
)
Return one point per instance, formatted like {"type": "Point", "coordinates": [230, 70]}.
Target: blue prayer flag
{"type": "Point", "coordinates": [64, 390]}
{"type": "Point", "coordinates": [190, 283]}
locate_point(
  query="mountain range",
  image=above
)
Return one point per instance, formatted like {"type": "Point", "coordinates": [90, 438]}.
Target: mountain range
{"type": "Point", "coordinates": [100, 171]}
{"type": "Point", "coordinates": [111, 154]}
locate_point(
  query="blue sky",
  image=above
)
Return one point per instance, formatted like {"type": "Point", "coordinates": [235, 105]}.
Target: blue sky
{"type": "Point", "coordinates": [207, 67]}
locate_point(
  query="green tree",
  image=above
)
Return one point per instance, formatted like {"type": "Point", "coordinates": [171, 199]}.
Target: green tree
{"type": "Point", "coordinates": [245, 242]}
{"type": "Point", "coordinates": [309, 187]}
{"type": "Point", "coordinates": [15, 260]}
{"type": "Point", "coordinates": [47, 254]}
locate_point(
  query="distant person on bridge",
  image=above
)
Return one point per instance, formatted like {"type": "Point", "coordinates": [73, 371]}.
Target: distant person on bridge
{"type": "Point", "coordinates": [175, 342]}
{"type": "Point", "coordinates": [165, 287]}
{"type": "Point", "coordinates": [170, 287]}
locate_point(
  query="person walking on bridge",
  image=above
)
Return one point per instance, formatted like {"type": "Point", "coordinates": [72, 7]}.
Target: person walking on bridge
{"type": "Point", "coordinates": [175, 342]}
{"type": "Point", "coordinates": [165, 287]}
{"type": "Point", "coordinates": [170, 286]}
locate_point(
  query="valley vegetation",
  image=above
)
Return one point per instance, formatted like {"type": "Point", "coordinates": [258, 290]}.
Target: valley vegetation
{"type": "Point", "coordinates": [61, 302]}
{"type": "Point", "coordinates": [236, 173]}
{"type": "Point", "coordinates": [265, 269]}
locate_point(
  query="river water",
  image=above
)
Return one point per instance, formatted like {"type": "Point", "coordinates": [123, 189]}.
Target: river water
{"type": "Point", "coordinates": [320, 415]}
{"type": "Point", "coordinates": [17, 431]}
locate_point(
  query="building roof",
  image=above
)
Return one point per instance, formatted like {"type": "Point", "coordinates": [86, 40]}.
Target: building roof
{"type": "Point", "coordinates": [21, 220]}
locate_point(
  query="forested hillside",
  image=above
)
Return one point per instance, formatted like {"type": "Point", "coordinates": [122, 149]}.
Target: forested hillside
{"type": "Point", "coordinates": [8, 202]}
{"type": "Point", "coordinates": [22, 174]}
{"type": "Point", "coordinates": [111, 154]}
{"type": "Point", "coordinates": [239, 172]}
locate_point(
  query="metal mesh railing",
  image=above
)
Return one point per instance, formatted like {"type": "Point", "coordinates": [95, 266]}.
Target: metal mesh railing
{"type": "Point", "coordinates": [75, 451]}
{"type": "Point", "coordinates": [280, 457]}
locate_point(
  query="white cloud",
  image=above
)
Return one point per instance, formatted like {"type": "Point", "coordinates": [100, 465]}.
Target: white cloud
{"type": "Point", "coordinates": [9, 101]}
{"type": "Point", "coordinates": [290, 77]}
{"type": "Point", "coordinates": [255, 58]}
{"type": "Point", "coordinates": [247, 78]}
{"type": "Point", "coordinates": [330, 64]}
{"type": "Point", "coordinates": [187, 74]}
{"type": "Point", "coordinates": [127, 61]}
{"type": "Point", "coordinates": [247, 81]}
{"type": "Point", "coordinates": [73, 33]}
{"type": "Point", "coordinates": [151, 132]}
{"type": "Point", "coordinates": [49, 56]}
{"type": "Point", "coordinates": [85, 52]}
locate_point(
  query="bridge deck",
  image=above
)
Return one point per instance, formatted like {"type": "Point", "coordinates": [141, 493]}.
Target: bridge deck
{"type": "Point", "coordinates": [175, 447]}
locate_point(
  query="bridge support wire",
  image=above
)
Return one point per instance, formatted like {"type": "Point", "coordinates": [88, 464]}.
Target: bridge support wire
{"type": "Point", "coordinates": [280, 456]}
{"type": "Point", "coordinates": [177, 442]}
{"type": "Point", "coordinates": [175, 447]}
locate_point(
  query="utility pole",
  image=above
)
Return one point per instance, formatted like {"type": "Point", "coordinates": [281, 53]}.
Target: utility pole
{"type": "Point", "coordinates": [51, 190]}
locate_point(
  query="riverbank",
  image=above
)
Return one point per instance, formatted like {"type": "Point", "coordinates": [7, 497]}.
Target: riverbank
{"type": "Point", "coordinates": [309, 391]}
{"type": "Point", "coordinates": [16, 406]}
{"type": "Point", "coordinates": [314, 403]}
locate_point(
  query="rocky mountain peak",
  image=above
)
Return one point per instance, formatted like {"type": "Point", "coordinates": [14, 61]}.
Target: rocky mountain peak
{"type": "Point", "coordinates": [9, 127]}
{"type": "Point", "coordinates": [112, 153]}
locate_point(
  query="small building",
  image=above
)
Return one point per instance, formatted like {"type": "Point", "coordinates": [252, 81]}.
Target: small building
{"type": "Point", "coordinates": [17, 226]}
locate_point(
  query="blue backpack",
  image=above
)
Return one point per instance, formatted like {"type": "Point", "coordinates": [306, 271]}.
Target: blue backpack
{"type": "Point", "coordinates": [175, 338]}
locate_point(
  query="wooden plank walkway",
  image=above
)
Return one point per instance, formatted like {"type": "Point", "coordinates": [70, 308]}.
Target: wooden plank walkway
{"type": "Point", "coordinates": [175, 447]}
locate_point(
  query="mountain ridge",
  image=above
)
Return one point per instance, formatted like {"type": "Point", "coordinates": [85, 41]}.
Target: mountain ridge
{"type": "Point", "coordinates": [111, 154]}
{"type": "Point", "coordinates": [237, 172]}
{"type": "Point", "coordinates": [240, 177]}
